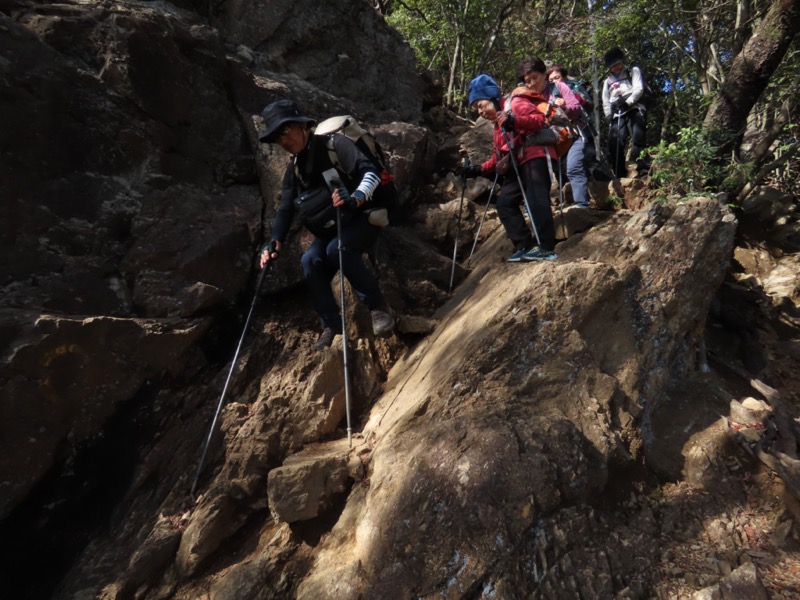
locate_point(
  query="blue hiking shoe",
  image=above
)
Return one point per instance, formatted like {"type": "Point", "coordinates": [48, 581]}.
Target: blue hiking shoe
{"type": "Point", "coordinates": [517, 256]}
{"type": "Point", "coordinates": [537, 253]}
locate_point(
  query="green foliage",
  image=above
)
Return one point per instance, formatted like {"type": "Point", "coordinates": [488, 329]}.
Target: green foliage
{"type": "Point", "coordinates": [686, 166]}
{"type": "Point", "coordinates": [615, 200]}
{"type": "Point", "coordinates": [497, 35]}
{"type": "Point", "coordinates": [684, 49]}
{"type": "Point", "coordinates": [436, 28]}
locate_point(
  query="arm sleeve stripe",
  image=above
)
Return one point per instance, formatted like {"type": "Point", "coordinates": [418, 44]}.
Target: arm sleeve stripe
{"type": "Point", "coordinates": [369, 184]}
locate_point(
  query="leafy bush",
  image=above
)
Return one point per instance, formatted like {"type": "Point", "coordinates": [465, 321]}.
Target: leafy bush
{"type": "Point", "coordinates": [686, 166]}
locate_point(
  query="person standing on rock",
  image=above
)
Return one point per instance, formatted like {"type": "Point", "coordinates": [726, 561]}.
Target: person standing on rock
{"type": "Point", "coordinates": [513, 122]}
{"type": "Point", "coordinates": [306, 192]}
{"type": "Point", "coordinates": [622, 106]}
{"type": "Point", "coordinates": [581, 152]}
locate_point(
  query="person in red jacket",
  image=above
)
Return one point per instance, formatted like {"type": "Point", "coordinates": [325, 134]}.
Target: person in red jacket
{"type": "Point", "coordinates": [513, 122]}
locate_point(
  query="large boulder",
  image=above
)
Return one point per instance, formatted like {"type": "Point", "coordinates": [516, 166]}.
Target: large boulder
{"type": "Point", "coordinates": [477, 466]}
{"type": "Point", "coordinates": [340, 46]}
{"type": "Point", "coordinates": [519, 406]}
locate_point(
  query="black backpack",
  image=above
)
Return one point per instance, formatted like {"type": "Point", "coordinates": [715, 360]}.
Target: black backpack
{"type": "Point", "coordinates": [386, 196]}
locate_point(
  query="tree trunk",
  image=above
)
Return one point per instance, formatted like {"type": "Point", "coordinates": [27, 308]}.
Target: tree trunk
{"type": "Point", "coordinates": [451, 82]}
{"type": "Point", "coordinates": [502, 14]}
{"type": "Point", "coordinates": [751, 70]}
{"type": "Point", "coordinates": [457, 54]}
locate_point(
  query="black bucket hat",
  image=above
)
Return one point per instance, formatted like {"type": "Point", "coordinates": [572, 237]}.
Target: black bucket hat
{"type": "Point", "coordinates": [276, 114]}
{"type": "Point", "coordinates": [613, 56]}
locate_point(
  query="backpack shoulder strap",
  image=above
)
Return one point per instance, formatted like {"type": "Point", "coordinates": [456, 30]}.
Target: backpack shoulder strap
{"type": "Point", "coordinates": [332, 154]}
{"type": "Point", "coordinates": [528, 94]}
{"type": "Point", "coordinates": [534, 97]}
{"type": "Point", "coordinates": [297, 177]}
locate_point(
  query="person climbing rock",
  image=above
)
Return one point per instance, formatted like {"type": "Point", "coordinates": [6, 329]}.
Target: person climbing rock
{"type": "Point", "coordinates": [306, 192]}
{"type": "Point", "coordinates": [626, 114]}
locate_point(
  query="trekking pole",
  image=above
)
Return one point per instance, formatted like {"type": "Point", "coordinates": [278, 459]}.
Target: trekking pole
{"type": "Point", "coordinates": [483, 218]}
{"type": "Point", "coordinates": [521, 184]}
{"type": "Point", "coordinates": [561, 193]}
{"type": "Point", "coordinates": [616, 146]}
{"type": "Point", "coordinates": [227, 381]}
{"type": "Point", "coordinates": [344, 326]}
{"type": "Point", "coordinates": [458, 222]}
{"type": "Point", "coordinates": [331, 177]}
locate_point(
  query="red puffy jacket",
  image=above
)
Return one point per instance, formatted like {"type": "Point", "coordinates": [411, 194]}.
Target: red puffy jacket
{"type": "Point", "coordinates": [529, 119]}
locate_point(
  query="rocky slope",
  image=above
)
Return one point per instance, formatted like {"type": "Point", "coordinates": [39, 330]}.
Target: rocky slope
{"type": "Point", "coordinates": [516, 438]}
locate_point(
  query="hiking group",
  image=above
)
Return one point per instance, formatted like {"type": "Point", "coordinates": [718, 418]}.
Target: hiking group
{"type": "Point", "coordinates": [338, 184]}
{"type": "Point", "coordinates": [541, 121]}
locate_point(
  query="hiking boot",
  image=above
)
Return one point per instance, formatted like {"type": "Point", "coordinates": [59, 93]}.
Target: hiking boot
{"type": "Point", "coordinates": [517, 256]}
{"type": "Point", "coordinates": [538, 253]}
{"type": "Point", "coordinates": [382, 322]}
{"type": "Point", "coordinates": [325, 338]}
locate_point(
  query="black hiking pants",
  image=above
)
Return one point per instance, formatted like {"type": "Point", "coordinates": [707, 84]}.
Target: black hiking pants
{"type": "Point", "coordinates": [632, 124]}
{"type": "Point", "coordinates": [536, 177]}
{"type": "Point", "coordinates": [321, 263]}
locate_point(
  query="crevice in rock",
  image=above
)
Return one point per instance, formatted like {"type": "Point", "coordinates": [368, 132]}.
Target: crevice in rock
{"type": "Point", "coordinates": [311, 531]}
{"type": "Point", "coordinates": [74, 502]}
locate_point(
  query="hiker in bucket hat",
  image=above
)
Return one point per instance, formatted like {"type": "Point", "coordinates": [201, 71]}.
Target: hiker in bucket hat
{"type": "Point", "coordinates": [277, 115]}
{"type": "Point", "coordinates": [306, 193]}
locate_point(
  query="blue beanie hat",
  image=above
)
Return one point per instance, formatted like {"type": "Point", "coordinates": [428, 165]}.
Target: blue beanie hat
{"type": "Point", "coordinates": [483, 87]}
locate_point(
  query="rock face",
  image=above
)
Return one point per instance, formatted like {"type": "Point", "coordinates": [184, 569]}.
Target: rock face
{"type": "Point", "coordinates": [112, 166]}
{"type": "Point", "coordinates": [134, 189]}
{"type": "Point", "coordinates": [340, 46]}
{"type": "Point", "coordinates": [519, 404]}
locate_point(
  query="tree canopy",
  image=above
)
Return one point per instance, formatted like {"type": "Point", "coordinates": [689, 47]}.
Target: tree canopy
{"type": "Point", "coordinates": [702, 58]}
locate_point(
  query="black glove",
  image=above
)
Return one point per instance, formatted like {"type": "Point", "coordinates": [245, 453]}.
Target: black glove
{"type": "Point", "coordinates": [350, 200]}
{"type": "Point", "coordinates": [469, 171]}
{"type": "Point", "coordinates": [510, 121]}
{"type": "Point", "coordinates": [619, 106]}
